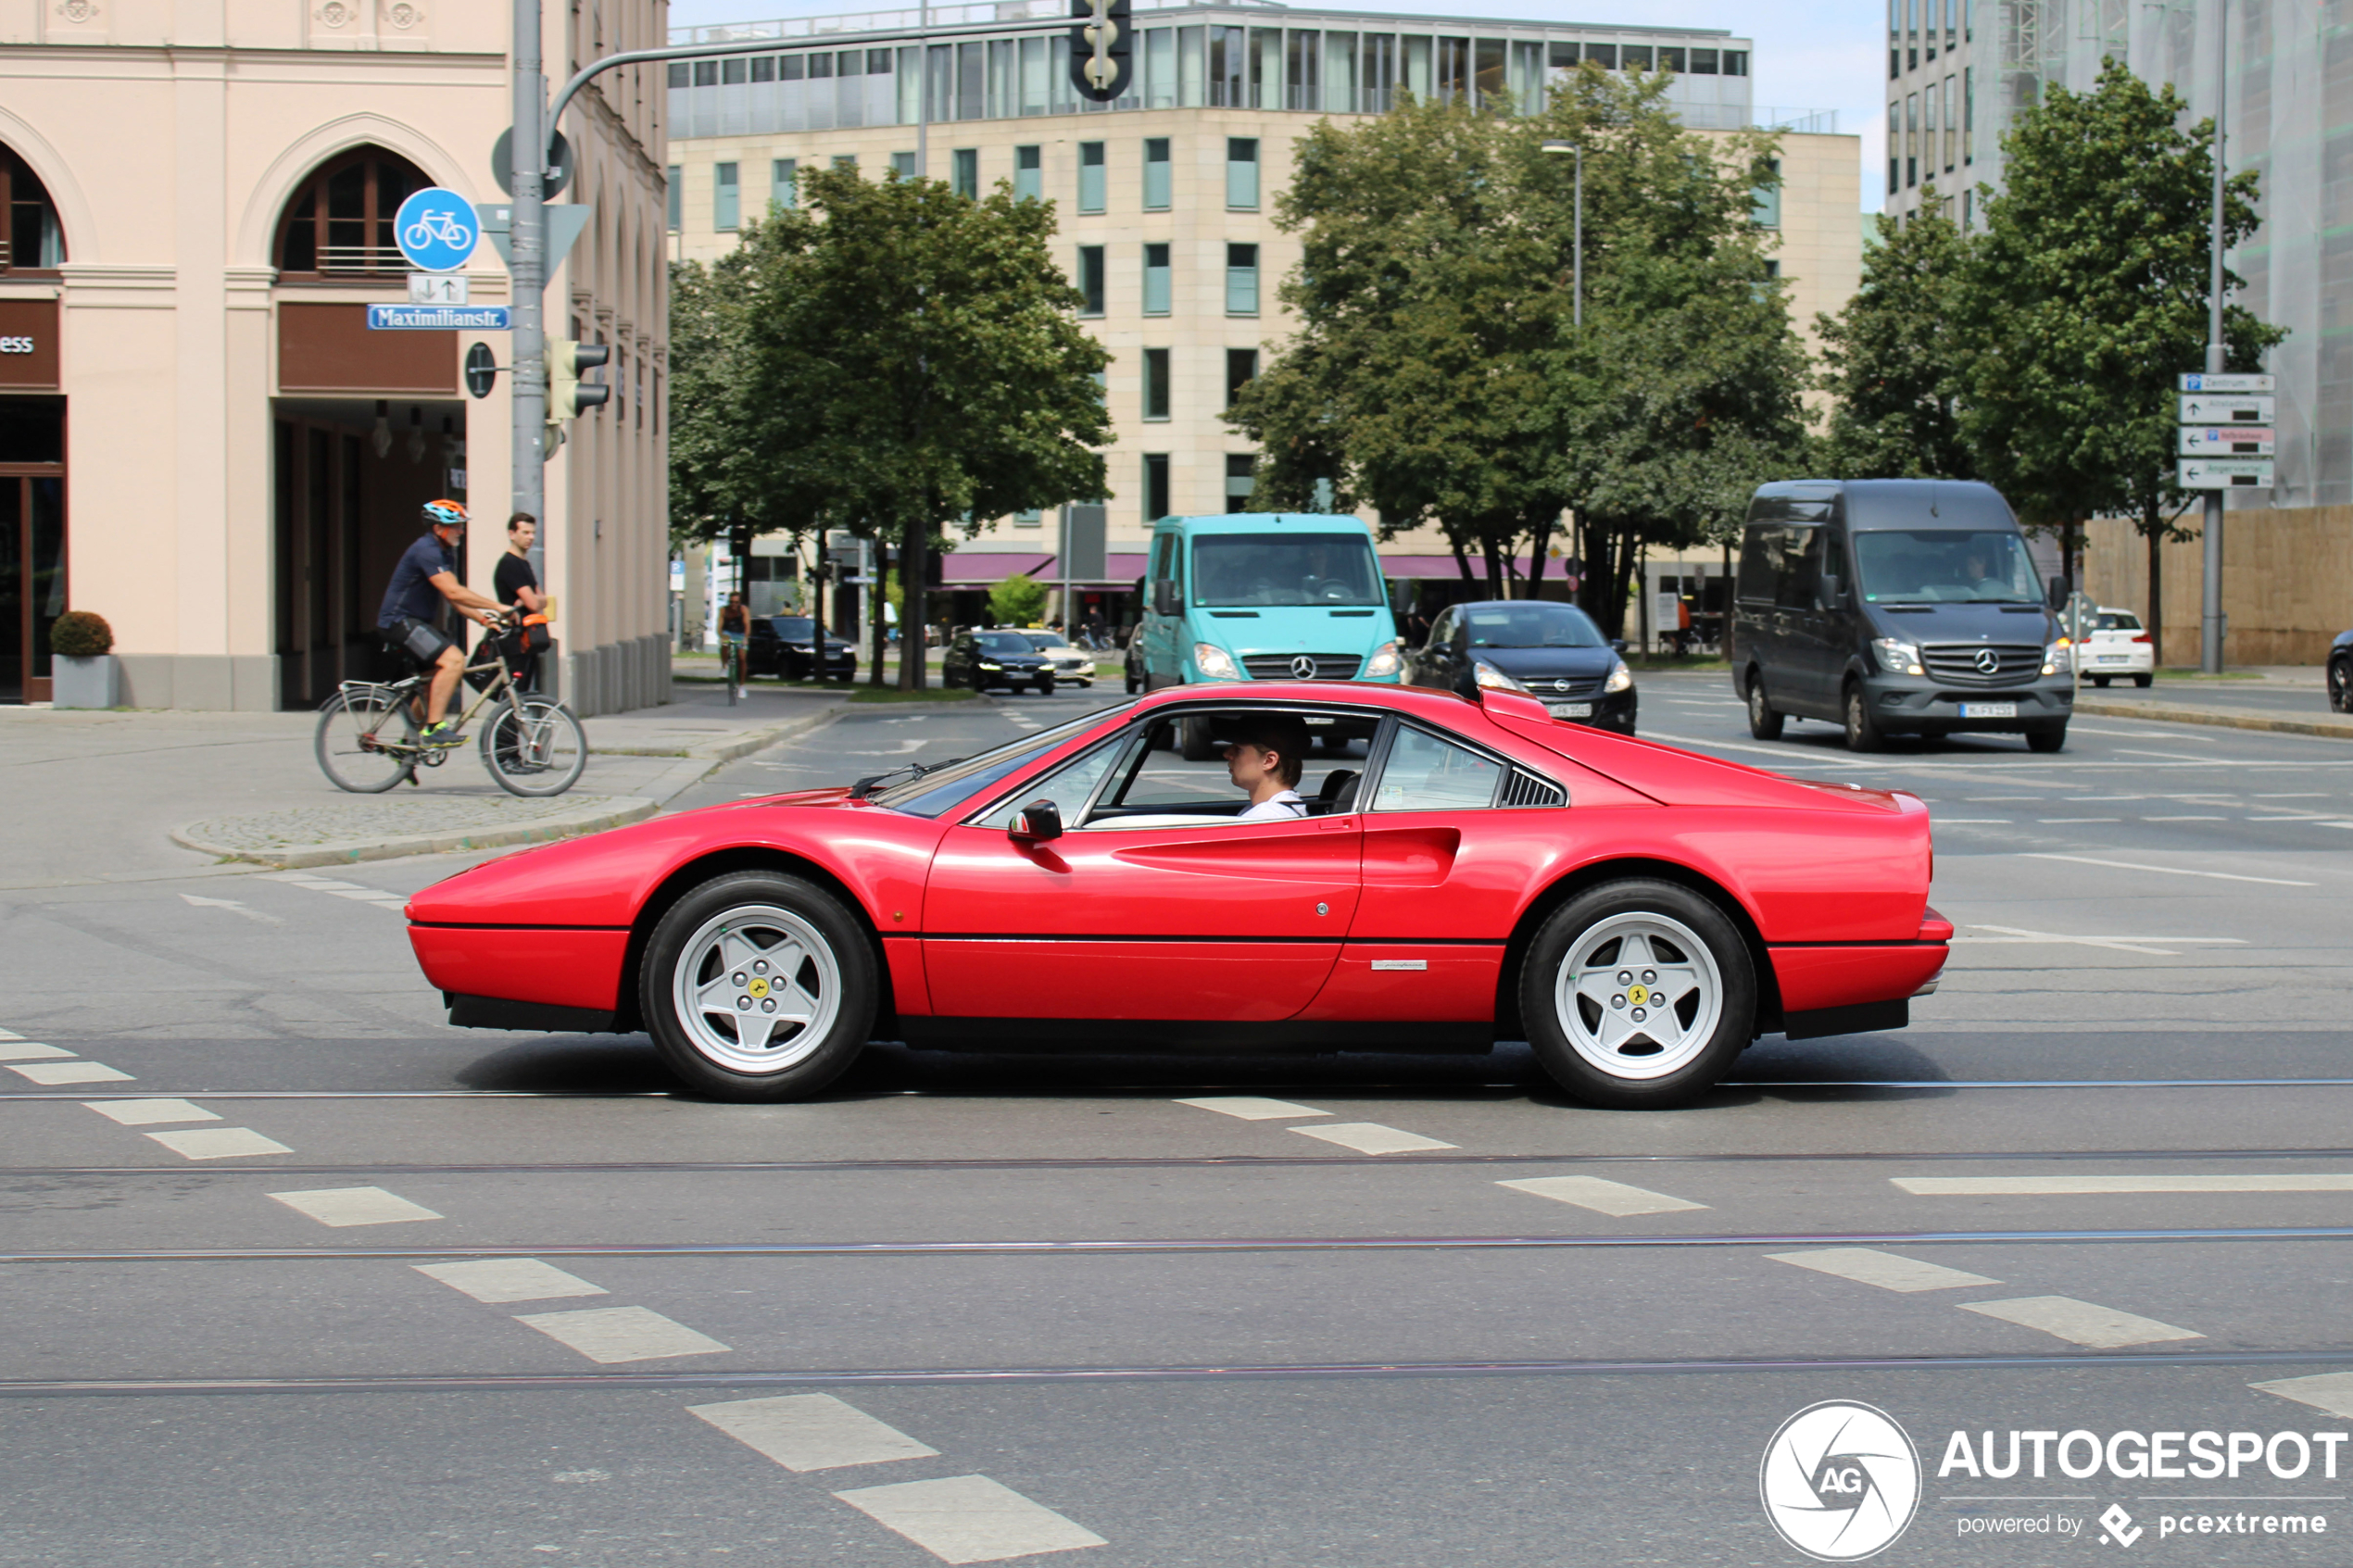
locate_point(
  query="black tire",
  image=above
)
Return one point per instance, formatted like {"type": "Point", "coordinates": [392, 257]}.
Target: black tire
{"type": "Point", "coordinates": [2144, 682]}
{"type": "Point", "coordinates": [1135, 681]}
{"type": "Point", "coordinates": [349, 725]}
{"type": "Point", "coordinates": [1662, 907]}
{"type": "Point", "coordinates": [534, 748]}
{"type": "Point", "coordinates": [1045, 686]}
{"type": "Point", "coordinates": [1762, 722]}
{"type": "Point", "coordinates": [2099, 681]}
{"type": "Point", "coordinates": [701, 1054]}
{"type": "Point", "coordinates": [2046, 737]}
{"type": "Point", "coordinates": [2340, 687]}
{"type": "Point", "coordinates": [1863, 732]}
{"type": "Point", "coordinates": [1194, 742]}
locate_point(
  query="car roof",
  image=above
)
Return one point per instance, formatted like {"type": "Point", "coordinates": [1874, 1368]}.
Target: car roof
{"type": "Point", "coordinates": [1865, 504]}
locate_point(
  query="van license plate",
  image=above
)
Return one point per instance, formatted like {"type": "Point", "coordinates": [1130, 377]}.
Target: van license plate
{"type": "Point", "coordinates": [1571, 709]}
{"type": "Point", "coordinates": [1989, 710]}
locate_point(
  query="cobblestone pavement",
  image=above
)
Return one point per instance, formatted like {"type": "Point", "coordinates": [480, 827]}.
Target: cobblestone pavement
{"type": "Point", "coordinates": [335, 822]}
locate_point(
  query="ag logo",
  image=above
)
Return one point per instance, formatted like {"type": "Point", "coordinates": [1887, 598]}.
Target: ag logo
{"type": "Point", "coordinates": [1839, 1481]}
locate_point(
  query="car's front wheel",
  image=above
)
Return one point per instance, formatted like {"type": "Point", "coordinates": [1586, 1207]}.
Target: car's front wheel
{"type": "Point", "coordinates": [758, 987]}
{"type": "Point", "coordinates": [2340, 687]}
{"type": "Point", "coordinates": [1863, 732]}
{"type": "Point", "coordinates": [1638, 994]}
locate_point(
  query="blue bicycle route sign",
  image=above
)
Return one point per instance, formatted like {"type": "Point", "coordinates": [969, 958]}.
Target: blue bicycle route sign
{"type": "Point", "coordinates": [436, 230]}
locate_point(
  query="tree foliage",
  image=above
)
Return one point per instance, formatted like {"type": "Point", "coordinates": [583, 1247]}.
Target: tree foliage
{"type": "Point", "coordinates": [1891, 359]}
{"type": "Point", "coordinates": [1016, 600]}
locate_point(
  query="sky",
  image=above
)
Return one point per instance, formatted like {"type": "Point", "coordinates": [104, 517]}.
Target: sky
{"type": "Point", "coordinates": [1810, 54]}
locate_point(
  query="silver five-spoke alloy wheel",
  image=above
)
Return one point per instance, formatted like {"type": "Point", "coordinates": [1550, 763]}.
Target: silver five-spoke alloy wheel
{"type": "Point", "coordinates": [1638, 996]}
{"type": "Point", "coordinates": [757, 989]}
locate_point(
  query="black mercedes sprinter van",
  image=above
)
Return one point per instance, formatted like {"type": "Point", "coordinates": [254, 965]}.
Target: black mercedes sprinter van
{"type": "Point", "coordinates": [1894, 606]}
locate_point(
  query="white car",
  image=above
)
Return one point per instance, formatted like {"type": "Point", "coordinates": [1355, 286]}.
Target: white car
{"type": "Point", "coordinates": [1069, 663]}
{"type": "Point", "coordinates": [2115, 645]}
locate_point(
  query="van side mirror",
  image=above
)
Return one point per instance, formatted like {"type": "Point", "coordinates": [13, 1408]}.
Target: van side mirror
{"type": "Point", "coordinates": [1165, 596]}
{"type": "Point", "coordinates": [1036, 823]}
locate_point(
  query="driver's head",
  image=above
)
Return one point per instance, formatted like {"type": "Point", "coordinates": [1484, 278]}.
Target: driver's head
{"type": "Point", "coordinates": [1276, 742]}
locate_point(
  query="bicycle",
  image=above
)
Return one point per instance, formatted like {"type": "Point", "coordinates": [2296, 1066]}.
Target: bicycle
{"type": "Point", "coordinates": [439, 228]}
{"type": "Point", "coordinates": [368, 736]}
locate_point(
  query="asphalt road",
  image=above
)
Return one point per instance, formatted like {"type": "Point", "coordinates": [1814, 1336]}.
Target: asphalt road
{"type": "Point", "coordinates": [493, 1299]}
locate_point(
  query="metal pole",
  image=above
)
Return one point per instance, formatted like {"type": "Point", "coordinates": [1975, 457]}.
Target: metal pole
{"type": "Point", "coordinates": [2211, 607]}
{"type": "Point", "coordinates": [1577, 246]}
{"type": "Point", "coordinates": [527, 386]}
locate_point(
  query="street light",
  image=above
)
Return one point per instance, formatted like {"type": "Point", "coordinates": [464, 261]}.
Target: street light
{"type": "Point", "coordinates": [1576, 244]}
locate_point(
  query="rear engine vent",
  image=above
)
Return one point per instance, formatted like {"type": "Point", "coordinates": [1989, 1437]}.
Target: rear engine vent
{"type": "Point", "coordinates": [1527, 789]}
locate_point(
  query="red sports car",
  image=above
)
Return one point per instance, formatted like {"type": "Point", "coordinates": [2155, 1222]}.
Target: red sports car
{"type": "Point", "coordinates": [1636, 912]}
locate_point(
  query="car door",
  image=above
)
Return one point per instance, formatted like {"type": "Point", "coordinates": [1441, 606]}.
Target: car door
{"type": "Point", "coordinates": [1157, 918]}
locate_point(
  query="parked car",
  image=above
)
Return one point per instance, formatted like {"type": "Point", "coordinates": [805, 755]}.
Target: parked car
{"type": "Point", "coordinates": [1895, 607]}
{"type": "Point", "coordinates": [982, 659]}
{"type": "Point", "coordinates": [1069, 663]}
{"type": "Point", "coordinates": [1637, 913]}
{"type": "Point", "coordinates": [1554, 652]}
{"type": "Point", "coordinates": [2116, 644]}
{"type": "Point", "coordinates": [779, 645]}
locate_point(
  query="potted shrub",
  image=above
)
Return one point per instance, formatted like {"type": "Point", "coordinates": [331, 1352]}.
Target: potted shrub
{"type": "Point", "coordinates": [82, 670]}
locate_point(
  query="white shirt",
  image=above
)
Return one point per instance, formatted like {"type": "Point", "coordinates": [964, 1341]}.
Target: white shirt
{"type": "Point", "coordinates": [1281, 805]}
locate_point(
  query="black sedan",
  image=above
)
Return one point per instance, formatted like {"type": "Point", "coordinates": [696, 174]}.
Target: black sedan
{"type": "Point", "coordinates": [1553, 652]}
{"type": "Point", "coordinates": [779, 645]}
{"type": "Point", "coordinates": [2341, 672]}
{"type": "Point", "coordinates": [982, 659]}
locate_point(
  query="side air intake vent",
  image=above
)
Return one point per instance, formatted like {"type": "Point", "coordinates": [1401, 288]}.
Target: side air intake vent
{"type": "Point", "coordinates": [1527, 789]}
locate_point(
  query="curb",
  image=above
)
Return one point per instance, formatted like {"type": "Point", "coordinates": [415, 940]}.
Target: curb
{"type": "Point", "coordinates": [2331, 728]}
{"type": "Point", "coordinates": [629, 808]}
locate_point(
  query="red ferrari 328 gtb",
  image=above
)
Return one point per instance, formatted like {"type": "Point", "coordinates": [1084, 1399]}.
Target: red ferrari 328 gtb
{"type": "Point", "coordinates": [1637, 913]}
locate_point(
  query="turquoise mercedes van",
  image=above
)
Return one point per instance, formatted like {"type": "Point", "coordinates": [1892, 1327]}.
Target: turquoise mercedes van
{"type": "Point", "coordinates": [1262, 596]}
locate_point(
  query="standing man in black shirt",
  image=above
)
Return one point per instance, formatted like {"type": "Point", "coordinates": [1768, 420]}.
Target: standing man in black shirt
{"type": "Point", "coordinates": [518, 586]}
{"type": "Point", "coordinates": [424, 578]}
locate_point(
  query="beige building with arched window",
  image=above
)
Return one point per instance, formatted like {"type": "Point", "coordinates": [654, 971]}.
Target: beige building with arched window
{"type": "Point", "coordinates": [201, 439]}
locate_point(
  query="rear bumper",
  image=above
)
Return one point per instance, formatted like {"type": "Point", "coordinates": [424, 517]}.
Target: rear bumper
{"type": "Point", "coordinates": [1850, 988]}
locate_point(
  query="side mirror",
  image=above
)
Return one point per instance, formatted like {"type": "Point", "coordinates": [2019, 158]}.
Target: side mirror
{"type": "Point", "coordinates": [1036, 823]}
{"type": "Point", "coordinates": [1618, 645]}
{"type": "Point", "coordinates": [1165, 596]}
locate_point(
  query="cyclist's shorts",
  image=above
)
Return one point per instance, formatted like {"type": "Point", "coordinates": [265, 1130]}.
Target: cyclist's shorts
{"type": "Point", "coordinates": [421, 641]}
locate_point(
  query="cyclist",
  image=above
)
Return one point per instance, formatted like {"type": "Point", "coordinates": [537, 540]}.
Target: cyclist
{"type": "Point", "coordinates": [425, 577]}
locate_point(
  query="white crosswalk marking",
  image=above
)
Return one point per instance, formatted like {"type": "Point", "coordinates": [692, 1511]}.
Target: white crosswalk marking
{"type": "Point", "coordinates": [804, 1432]}
{"type": "Point", "coordinates": [1371, 1138]}
{"type": "Point", "coordinates": [1251, 1107]}
{"type": "Point", "coordinates": [2049, 1186]}
{"type": "Point", "coordinates": [608, 1335]}
{"type": "Point", "coordinates": [342, 1207]}
{"type": "Point", "coordinates": [509, 1279]}
{"type": "Point", "coordinates": [147, 1112]}
{"type": "Point", "coordinates": [2330, 1391]}
{"type": "Point", "coordinates": [1601, 1197]}
{"type": "Point", "coordinates": [1889, 1270]}
{"type": "Point", "coordinates": [2063, 1317]}
{"type": "Point", "coordinates": [970, 1518]}
{"type": "Point", "coordinates": [219, 1143]}
{"type": "Point", "coordinates": [18, 1048]}
{"type": "Point", "coordinates": [50, 1073]}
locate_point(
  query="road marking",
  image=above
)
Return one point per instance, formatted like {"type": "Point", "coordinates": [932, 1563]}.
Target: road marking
{"type": "Point", "coordinates": [2185, 818]}
{"type": "Point", "coordinates": [2330, 1391]}
{"type": "Point", "coordinates": [70, 1072]}
{"type": "Point", "coordinates": [2021, 1186]}
{"type": "Point", "coordinates": [232, 907]}
{"type": "Point", "coordinates": [9, 1035]}
{"type": "Point", "coordinates": [969, 1519]}
{"type": "Point", "coordinates": [805, 1432]}
{"type": "Point", "coordinates": [219, 1143]}
{"type": "Point", "coordinates": [2063, 1317]}
{"type": "Point", "coordinates": [1970, 822]}
{"type": "Point", "coordinates": [2048, 821]}
{"type": "Point", "coordinates": [1889, 1270]}
{"type": "Point", "coordinates": [511, 1279]}
{"type": "Point", "coordinates": [2016, 933]}
{"type": "Point", "coordinates": [2293, 794]}
{"type": "Point", "coordinates": [1370, 1137]}
{"type": "Point", "coordinates": [2168, 871]}
{"type": "Point", "coordinates": [21, 1050]}
{"type": "Point", "coordinates": [147, 1112]}
{"type": "Point", "coordinates": [1601, 1197]}
{"type": "Point", "coordinates": [1251, 1107]}
{"type": "Point", "coordinates": [342, 1207]}
{"type": "Point", "coordinates": [607, 1334]}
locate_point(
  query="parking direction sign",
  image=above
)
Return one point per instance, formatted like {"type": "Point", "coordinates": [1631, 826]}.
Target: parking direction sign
{"type": "Point", "coordinates": [2228, 441]}
{"type": "Point", "coordinates": [2200, 381]}
{"type": "Point", "coordinates": [2226, 474]}
{"type": "Point", "coordinates": [436, 230]}
{"type": "Point", "coordinates": [2229, 408]}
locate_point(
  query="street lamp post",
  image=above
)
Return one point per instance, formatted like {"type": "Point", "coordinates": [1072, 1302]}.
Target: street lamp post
{"type": "Point", "coordinates": [1576, 241]}
{"type": "Point", "coordinates": [2211, 621]}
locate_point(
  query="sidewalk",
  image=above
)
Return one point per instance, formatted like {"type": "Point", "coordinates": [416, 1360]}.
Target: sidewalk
{"type": "Point", "coordinates": [122, 796]}
{"type": "Point", "coordinates": [2286, 700]}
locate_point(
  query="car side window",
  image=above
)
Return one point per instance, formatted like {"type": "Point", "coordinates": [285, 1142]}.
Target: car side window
{"type": "Point", "coordinates": [1425, 773]}
{"type": "Point", "coordinates": [1443, 633]}
{"type": "Point", "coordinates": [1800, 568]}
{"type": "Point", "coordinates": [1069, 787]}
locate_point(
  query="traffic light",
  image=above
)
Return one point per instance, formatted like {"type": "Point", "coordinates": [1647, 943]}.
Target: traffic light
{"type": "Point", "coordinates": [567, 393]}
{"type": "Point", "coordinates": [1102, 60]}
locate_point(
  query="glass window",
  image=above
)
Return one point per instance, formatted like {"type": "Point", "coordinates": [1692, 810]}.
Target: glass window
{"type": "Point", "coordinates": [1266, 67]}
{"type": "Point", "coordinates": [1242, 368]}
{"type": "Point", "coordinates": [1159, 182]}
{"type": "Point", "coordinates": [1486, 74]}
{"type": "Point", "coordinates": [1304, 71]}
{"type": "Point", "coordinates": [1950, 137]}
{"type": "Point", "coordinates": [1241, 279]}
{"type": "Point", "coordinates": [1529, 623]}
{"type": "Point", "coordinates": [1671, 60]}
{"type": "Point", "coordinates": [735, 72]}
{"type": "Point", "coordinates": [1069, 787]}
{"type": "Point", "coordinates": [1453, 70]}
{"type": "Point", "coordinates": [1156, 280]}
{"type": "Point", "coordinates": [764, 68]}
{"type": "Point", "coordinates": [1229, 68]}
{"type": "Point", "coordinates": [1192, 67]}
{"type": "Point", "coordinates": [1241, 171]}
{"type": "Point", "coordinates": [952, 784]}
{"type": "Point", "coordinates": [1029, 174]}
{"type": "Point", "coordinates": [706, 73]}
{"type": "Point", "coordinates": [1764, 201]}
{"type": "Point", "coordinates": [1091, 172]}
{"type": "Point", "coordinates": [1968, 115]}
{"type": "Point", "coordinates": [1034, 59]}
{"type": "Point", "coordinates": [1911, 140]}
{"type": "Point", "coordinates": [1377, 67]}
{"type": "Point", "coordinates": [792, 67]}
{"type": "Point", "coordinates": [967, 172]}
{"type": "Point", "coordinates": [1155, 486]}
{"type": "Point", "coordinates": [903, 165]}
{"type": "Point", "coordinates": [1425, 773]}
{"type": "Point", "coordinates": [1241, 478]}
{"type": "Point", "coordinates": [784, 182]}
{"type": "Point", "coordinates": [676, 191]}
{"type": "Point", "coordinates": [1735, 62]}
{"type": "Point", "coordinates": [1158, 63]}
{"type": "Point", "coordinates": [820, 67]}
{"type": "Point", "coordinates": [1340, 74]}
{"type": "Point", "coordinates": [1156, 390]}
{"type": "Point", "coordinates": [1704, 62]}
{"type": "Point", "coordinates": [680, 73]}
{"type": "Point", "coordinates": [972, 82]}
{"type": "Point", "coordinates": [339, 222]}
{"type": "Point", "coordinates": [726, 200]}
{"type": "Point", "coordinates": [1894, 149]}
{"type": "Point", "coordinates": [1945, 566]}
{"type": "Point", "coordinates": [1603, 55]}
{"type": "Point", "coordinates": [844, 160]}
{"type": "Point", "coordinates": [1268, 570]}
{"type": "Point", "coordinates": [1091, 279]}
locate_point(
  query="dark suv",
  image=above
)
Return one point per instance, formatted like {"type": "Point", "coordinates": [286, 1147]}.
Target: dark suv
{"type": "Point", "coordinates": [1895, 607]}
{"type": "Point", "coordinates": [981, 660]}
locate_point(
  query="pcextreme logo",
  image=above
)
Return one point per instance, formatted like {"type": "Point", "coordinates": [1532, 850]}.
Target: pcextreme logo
{"type": "Point", "coordinates": [1839, 1481]}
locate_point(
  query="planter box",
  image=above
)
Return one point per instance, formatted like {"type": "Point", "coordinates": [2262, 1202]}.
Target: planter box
{"type": "Point", "coordinates": [84, 683]}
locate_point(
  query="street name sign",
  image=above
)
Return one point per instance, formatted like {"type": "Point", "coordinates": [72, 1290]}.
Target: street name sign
{"type": "Point", "coordinates": [2226, 474]}
{"type": "Point", "coordinates": [2208, 408]}
{"type": "Point", "coordinates": [2228, 441]}
{"type": "Point", "coordinates": [436, 230]}
{"type": "Point", "coordinates": [439, 318]}
{"type": "Point", "coordinates": [2200, 381]}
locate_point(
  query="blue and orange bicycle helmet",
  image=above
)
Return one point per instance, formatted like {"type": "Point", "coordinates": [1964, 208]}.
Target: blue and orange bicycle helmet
{"type": "Point", "coordinates": [445, 514]}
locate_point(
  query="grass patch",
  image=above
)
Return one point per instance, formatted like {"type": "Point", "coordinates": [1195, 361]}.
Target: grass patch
{"type": "Point", "coordinates": [930, 694]}
{"type": "Point", "coordinates": [2187, 674]}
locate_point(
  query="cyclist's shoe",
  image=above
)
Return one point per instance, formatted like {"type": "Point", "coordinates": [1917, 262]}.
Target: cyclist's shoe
{"type": "Point", "coordinates": [441, 736]}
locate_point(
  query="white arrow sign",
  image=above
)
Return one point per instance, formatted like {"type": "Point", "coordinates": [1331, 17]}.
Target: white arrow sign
{"type": "Point", "coordinates": [2228, 441]}
{"type": "Point", "coordinates": [232, 907]}
{"type": "Point", "coordinates": [2226, 474]}
{"type": "Point", "coordinates": [2205, 408]}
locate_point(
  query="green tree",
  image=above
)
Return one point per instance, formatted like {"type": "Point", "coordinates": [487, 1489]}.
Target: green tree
{"type": "Point", "coordinates": [1016, 600]}
{"type": "Point", "coordinates": [2088, 295]}
{"type": "Point", "coordinates": [1893, 358]}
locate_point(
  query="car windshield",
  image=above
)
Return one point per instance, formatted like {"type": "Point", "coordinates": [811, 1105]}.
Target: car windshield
{"type": "Point", "coordinates": [1284, 568]}
{"type": "Point", "coordinates": [1002, 641]}
{"type": "Point", "coordinates": [1043, 640]}
{"type": "Point", "coordinates": [790, 628]}
{"type": "Point", "coordinates": [1532, 624]}
{"type": "Point", "coordinates": [945, 789]}
{"type": "Point", "coordinates": [1945, 566]}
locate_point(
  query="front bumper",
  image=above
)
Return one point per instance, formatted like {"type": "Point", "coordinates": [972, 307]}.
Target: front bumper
{"type": "Point", "coordinates": [1915, 705]}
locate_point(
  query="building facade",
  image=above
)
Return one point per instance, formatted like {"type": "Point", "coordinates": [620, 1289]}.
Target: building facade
{"type": "Point", "coordinates": [1166, 198]}
{"type": "Point", "coordinates": [201, 440]}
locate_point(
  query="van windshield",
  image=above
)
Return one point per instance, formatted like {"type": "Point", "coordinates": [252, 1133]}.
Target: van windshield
{"type": "Point", "coordinates": [1945, 566]}
{"type": "Point", "coordinates": [1284, 568]}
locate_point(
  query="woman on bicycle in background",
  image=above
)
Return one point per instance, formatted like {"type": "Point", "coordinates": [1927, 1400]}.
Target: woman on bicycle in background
{"type": "Point", "coordinates": [735, 633]}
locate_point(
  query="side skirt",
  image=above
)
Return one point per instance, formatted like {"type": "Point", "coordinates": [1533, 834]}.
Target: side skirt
{"type": "Point", "coordinates": [1192, 1037]}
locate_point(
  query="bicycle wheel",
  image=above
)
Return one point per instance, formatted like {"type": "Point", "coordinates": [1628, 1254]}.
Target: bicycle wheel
{"type": "Point", "coordinates": [354, 729]}
{"type": "Point", "coordinates": [534, 748]}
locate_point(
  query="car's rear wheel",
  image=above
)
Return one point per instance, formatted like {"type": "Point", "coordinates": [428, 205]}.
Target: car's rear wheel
{"type": "Point", "coordinates": [1762, 722]}
{"type": "Point", "coordinates": [1638, 994]}
{"type": "Point", "coordinates": [758, 987]}
{"type": "Point", "coordinates": [2048, 737]}
{"type": "Point", "coordinates": [2143, 682]}
{"type": "Point", "coordinates": [2100, 681]}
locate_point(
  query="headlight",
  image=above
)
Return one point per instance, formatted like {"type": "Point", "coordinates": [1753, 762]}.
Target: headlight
{"type": "Point", "coordinates": [1383, 663]}
{"type": "Point", "coordinates": [1620, 678]}
{"type": "Point", "coordinates": [985, 664]}
{"type": "Point", "coordinates": [1491, 679]}
{"type": "Point", "coordinates": [1216, 662]}
{"type": "Point", "coordinates": [2058, 658]}
{"type": "Point", "coordinates": [1897, 656]}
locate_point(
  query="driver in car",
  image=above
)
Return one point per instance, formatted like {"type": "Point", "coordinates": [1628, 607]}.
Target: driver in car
{"type": "Point", "coordinates": [1265, 755]}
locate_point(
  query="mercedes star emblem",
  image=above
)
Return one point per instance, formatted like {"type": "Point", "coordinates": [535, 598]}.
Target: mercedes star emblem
{"type": "Point", "coordinates": [1303, 668]}
{"type": "Point", "coordinates": [1987, 661]}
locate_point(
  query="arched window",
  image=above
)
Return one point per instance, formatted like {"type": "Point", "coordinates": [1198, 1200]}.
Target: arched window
{"type": "Point", "coordinates": [339, 223]}
{"type": "Point", "coordinates": [32, 240]}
